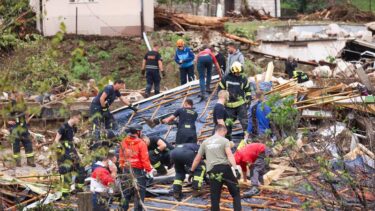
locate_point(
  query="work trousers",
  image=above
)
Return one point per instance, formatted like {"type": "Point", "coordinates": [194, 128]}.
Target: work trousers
{"type": "Point", "coordinates": [186, 135]}
{"type": "Point", "coordinates": [69, 166]}
{"type": "Point", "coordinates": [19, 133]}
{"type": "Point", "coordinates": [219, 175]}
{"type": "Point", "coordinates": [204, 66]}
{"type": "Point", "coordinates": [153, 79]}
{"type": "Point", "coordinates": [101, 120]}
{"type": "Point", "coordinates": [130, 191]}
{"type": "Point", "coordinates": [159, 161]}
{"type": "Point", "coordinates": [239, 113]}
{"type": "Point", "coordinates": [257, 170]}
{"type": "Point", "coordinates": [183, 159]}
{"type": "Point", "coordinates": [100, 201]}
{"type": "Point", "coordinates": [186, 73]}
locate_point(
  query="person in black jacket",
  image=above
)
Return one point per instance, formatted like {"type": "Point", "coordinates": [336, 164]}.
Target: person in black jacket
{"type": "Point", "coordinates": [290, 65]}
{"type": "Point", "coordinates": [220, 59]}
{"type": "Point", "coordinates": [68, 160]}
{"type": "Point", "coordinates": [186, 132]}
{"type": "Point", "coordinates": [152, 66]}
{"type": "Point", "coordinates": [159, 153]}
{"type": "Point", "coordinates": [239, 97]}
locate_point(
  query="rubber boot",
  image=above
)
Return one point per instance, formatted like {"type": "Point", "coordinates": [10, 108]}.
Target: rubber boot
{"type": "Point", "coordinates": [18, 162]}
{"type": "Point", "coordinates": [31, 162]}
{"type": "Point", "coordinates": [177, 192]}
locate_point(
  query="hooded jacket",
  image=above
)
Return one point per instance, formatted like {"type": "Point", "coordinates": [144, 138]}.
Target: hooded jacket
{"type": "Point", "coordinates": [101, 178]}
{"type": "Point", "coordinates": [133, 151]}
{"type": "Point", "coordinates": [187, 57]}
{"type": "Point", "coordinates": [248, 154]}
{"type": "Point", "coordinates": [236, 56]}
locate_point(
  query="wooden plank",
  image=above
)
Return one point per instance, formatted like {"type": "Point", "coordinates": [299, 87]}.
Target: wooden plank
{"type": "Point", "coordinates": [84, 201]}
{"type": "Point", "coordinates": [365, 79]}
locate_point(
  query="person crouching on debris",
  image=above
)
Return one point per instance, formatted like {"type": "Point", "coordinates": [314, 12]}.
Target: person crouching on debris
{"type": "Point", "coordinates": [182, 157]}
{"type": "Point", "coordinates": [159, 153]}
{"type": "Point", "coordinates": [67, 156]}
{"type": "Point", "coordinates": [152, 66]}
{"type": "Point", "coordinates": [101, 182]}
{"type": "Point", "coordinates": [186, 132]}
{"type": "Point", "coordinates": [259, 122]}
{"type": "Point", "coordinates": [205, 59]}
{"type": "Point", "coordinates": [255, 155]}
{"type": "Point", "coordinates": [99, 109]}
{"type": "Point", "coordinates": [220, 115]}
{"type": "Point", "coordinates": [290, 65]}
{"type": "Point", "coordinates": [184, 57]}
{"type": "Point", "coordinates": [239, 96]}
{"type": "Point", "coordinates": [135, 164]}
{"type": "Point", "coordinates": [18, 128]}
{"type": "Point", "coordinates": [219, 159]}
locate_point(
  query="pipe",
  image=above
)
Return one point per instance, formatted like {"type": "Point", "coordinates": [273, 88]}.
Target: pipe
{"type": "Point", "coordinates": [146, 41]}
{"type": "Point", "coordinates": [142, 18]}
{"type": "Point", "coordinates": [275, 8]}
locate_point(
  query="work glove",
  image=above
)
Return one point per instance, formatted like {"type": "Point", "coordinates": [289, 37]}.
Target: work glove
{"type": "Point", "coordinates": [191, 175]}
{"type": "Point", "coordinates": [156, 121]}
{"type": "Point", "coordinates": [237, 173]}
{"type": "Point", "coordinates": [163, 73]}
{"type": "Point", "coordinates": [133, 108]}
{"type": "Point", "coordinates": [143, 72]}
{"type": "Point", "coordinates": [149, 175]}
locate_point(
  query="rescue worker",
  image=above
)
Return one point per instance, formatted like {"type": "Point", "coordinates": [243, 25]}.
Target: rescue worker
{"type": "Point", "coordinates": [219, 159]}
{"type": "Point", "coordinates": [234, 55]}
{"type": "Point", "coordinates": [152, 66]}
{"type": "Point", "coordinates": [101, 182]}
{"type": "Point", "coordinates": [184, 57]}
{"type": "Point", "coordinates": [159, 153]}
{"type": "Point", "coordinates": [259, 123]}
{"type": "Point", "coordinates": [290, 65]}
{"type": "Point", "coordinates": [133, 158]}
{"type": "Point", "coordinates": [18, 128]}
{"type": "Point", "coordinates": [300, 76]}
{"type": "Point", "coordinates": [182, 157]}
{"type": "Point", "coordinates": [239, 97]}
{"type": "Point", "coordinates": [220, 59]}
{"type": "Point", "coordinates": [220, 114]}
{"type": "Point", "coordinates": [67, 156]}
{"type": "Point", "coordinates": [186, 132]}
{"type": "Point", "coordinates": [99, 109]}
{"type": "Point", "coordinates": [253, 154]}
{"type": "Point", "coordinates": [205, 59]}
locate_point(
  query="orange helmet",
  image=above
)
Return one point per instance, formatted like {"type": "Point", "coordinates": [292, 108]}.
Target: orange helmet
{"type": "Point", "coordinates": [180, 43]}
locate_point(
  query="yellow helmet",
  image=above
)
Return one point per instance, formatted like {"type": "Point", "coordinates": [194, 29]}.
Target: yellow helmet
{"type": "Point", "coordinates": [180, 43]}
{"type": "Point", "coordinates": [236, 67]}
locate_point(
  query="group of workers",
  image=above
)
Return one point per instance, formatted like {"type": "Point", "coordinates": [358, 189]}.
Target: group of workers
{"type": "Point", "coordinates": [210, 161]}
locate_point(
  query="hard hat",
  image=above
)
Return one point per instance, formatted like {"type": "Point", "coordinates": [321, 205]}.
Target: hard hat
{"type": "Point", "coordinates": [134, 128]}
{"type": "Point", "coordinates": [236, 67]}
{"type": "Point", "coordinates": [180, 43]}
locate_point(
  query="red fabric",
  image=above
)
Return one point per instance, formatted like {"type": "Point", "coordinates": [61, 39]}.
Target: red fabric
{"type": "Point", "coordinates": [103, 176]}
{"type": "Point", "coordinates": [208, 51]}
{"type": "Point", "coordinates": [136, 154]}
{"type": "Point", "coordinates": [248, 154]}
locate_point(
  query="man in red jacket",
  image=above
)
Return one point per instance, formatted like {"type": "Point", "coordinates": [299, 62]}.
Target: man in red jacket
{"type": "Point", "coordinates": [133, 158]}
{"type": "Point", "coordinates": [253, 154]}
{"type": "Point", "coordinates": [101, 182]}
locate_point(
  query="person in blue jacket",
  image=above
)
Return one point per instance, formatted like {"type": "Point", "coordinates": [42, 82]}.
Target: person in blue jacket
{"type": "Point", "coordinates": [184, 57]}
{"type": "Point", "coordinates": [259, 123]}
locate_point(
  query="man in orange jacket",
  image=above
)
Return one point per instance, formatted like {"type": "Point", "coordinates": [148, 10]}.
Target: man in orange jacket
{"type": "Point", "coordinates": [133, 157]}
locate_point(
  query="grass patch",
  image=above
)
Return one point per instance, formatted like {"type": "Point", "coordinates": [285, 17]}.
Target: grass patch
{"type": "Point", "coordinates": [248, 29]}
{"type": "Point", "coordinates": [365, 5]}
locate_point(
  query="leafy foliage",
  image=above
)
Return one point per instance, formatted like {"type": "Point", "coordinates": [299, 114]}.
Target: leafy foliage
{"type": "Point", "coordinates": [81, 67]}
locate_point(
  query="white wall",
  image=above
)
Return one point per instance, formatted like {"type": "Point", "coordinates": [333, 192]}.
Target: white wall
{"type": "Point", "coordinates": [101, 17]}
{"type": "Point", "coordinates": [268, 5]}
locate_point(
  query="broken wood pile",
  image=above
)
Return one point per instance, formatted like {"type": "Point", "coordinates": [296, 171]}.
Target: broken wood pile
{"type": "Point", "coordinates": [340, 12]}
{"type": "Point", "coordinates": [249, 15]}
{"type": "Point", "coordinates": [182, 22]}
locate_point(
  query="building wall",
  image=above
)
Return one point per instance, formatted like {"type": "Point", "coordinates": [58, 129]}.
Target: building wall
{"type": "Point", "coordinates": [267, 5]}
{"type": "Point", "coordinates": [100, 17]}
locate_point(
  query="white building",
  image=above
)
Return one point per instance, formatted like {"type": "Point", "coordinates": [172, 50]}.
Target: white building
{"type": "Point", "coordinates": [94, 17]}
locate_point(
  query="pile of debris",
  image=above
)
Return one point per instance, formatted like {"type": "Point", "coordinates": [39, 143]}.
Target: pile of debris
{"type": "Point", "coordinates": [182, 22]}
{"type": "Point", "coordinates": [341, 12]}
{"type": "Point", "coordinates": [250, 15]}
